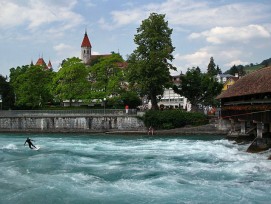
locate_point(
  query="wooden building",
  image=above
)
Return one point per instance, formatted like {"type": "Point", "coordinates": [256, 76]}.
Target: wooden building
{"type": "Point", "coordinates": [247, 104]}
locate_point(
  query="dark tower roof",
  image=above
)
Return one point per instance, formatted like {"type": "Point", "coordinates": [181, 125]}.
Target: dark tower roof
{"type": "Point", "coordinates": [86, 42]}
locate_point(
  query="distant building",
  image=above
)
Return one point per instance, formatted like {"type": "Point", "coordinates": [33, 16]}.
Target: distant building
{"type": "Point", "coordinates": [229, 83]}
{"type": "Point", "coordinates": [86, 54]}
{"type": "Point", "coordinates": [42, 63]}
{"type": "Point", "coordinates": [222, 78]}
{"type": "Point", "coordinates": [170, 99]}
{"type": "Point", "coordinates": [86, 49]}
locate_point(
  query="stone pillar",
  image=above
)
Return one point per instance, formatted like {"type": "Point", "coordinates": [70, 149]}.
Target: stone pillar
{"type": "Point", "coordinates": [260, 128]}
{"type": "Point", "coordinates": [243, 127]}
{"type": "Point", "coordinates": [232, 125]}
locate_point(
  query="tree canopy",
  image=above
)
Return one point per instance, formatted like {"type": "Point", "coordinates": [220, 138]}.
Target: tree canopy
{"type": "Point", "coordinates": [31, 86]}
{"type": "Point", "coordinates": [70, 82]}
{"type": "Point", "coordinates": [199, 88]}
{"type": "Point", "coordinates": [107, 78]}
{"type": "Point", "coordinates": [212, 69]}
{"type": "Point", "coordinates": [6, 92]}
{"type": "Point", "coordinates": [149, 64]}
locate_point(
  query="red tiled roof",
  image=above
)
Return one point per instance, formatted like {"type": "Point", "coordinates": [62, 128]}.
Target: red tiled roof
{"type": "Point", "coordinates": [254, 83]}
{"type": "Point", "coordinates": [41, 62]}
{"type": "Point", "coordinates": [86, 42]}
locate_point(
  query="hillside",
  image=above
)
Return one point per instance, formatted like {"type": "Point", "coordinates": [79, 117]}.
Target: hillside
{"type": "Point", "coordinates": [245, 69]}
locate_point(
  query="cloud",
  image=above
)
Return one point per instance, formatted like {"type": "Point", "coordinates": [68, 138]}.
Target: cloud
{"type": "Point", "coordinates": [66, 51]}
{"type": "Point", "coordinates": [192, 13]}
{"type": "Point", "coordinates": [225, 58]}
{"type": "Point", "coordinates": [219, 35]}
{"type": "Point", "coordinates": [34, 14]}
{"type": "Point", "coordinates": [236, 62]}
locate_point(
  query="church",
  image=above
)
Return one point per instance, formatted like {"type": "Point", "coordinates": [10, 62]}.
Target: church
{"type": "Point", "coordinates": [86, 55]}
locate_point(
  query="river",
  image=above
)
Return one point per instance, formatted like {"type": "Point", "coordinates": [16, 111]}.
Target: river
{"type": "Point", "coordinates": [80, 168]}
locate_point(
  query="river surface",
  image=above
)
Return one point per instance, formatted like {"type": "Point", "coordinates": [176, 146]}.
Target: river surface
{"type": "Point", "coordinates": [77, 168]}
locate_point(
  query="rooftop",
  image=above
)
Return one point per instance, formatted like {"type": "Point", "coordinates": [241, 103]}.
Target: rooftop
{"type": "Point", "coordinates": [256, 82]}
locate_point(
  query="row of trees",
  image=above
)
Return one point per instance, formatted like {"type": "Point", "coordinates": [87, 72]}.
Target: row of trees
{"type": "Point", "coordinates": [147, 74]}
{"type": "Point", "coordinates": [35, 87]}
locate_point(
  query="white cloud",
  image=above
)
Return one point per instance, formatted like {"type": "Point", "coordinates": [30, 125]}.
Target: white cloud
{"type": "Point", "coordinates": [198, 14]}
{"type": "Point", "coordinates": [34, 14]}
{"type": "Point", "coordinates": [198, 58]}
{"type": "Point", "coordinates": [225, 58]}
{"type": "Point", "coordinates": [66, 51]}
{"type": "Point", "coordinates": [236, 62]}
{"type": "Point", "coordinates": [219, 35]}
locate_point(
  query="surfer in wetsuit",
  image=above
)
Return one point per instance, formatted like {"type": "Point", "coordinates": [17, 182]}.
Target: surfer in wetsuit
{"type": "Point", "coordinates": [30, 144]}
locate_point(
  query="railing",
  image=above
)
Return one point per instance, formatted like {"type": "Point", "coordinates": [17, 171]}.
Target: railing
{"type": "Point", "coordinates": [55, 113]}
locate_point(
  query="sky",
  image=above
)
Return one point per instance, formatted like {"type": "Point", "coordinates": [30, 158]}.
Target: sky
{"type": "Point", "coordinates": [230, 31]}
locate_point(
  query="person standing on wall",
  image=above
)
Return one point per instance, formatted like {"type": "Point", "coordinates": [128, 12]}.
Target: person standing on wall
{"type": "Point", "coordinates": [127, 109]}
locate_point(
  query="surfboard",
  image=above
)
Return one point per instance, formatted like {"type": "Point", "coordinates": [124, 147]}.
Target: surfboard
{"type": "Point", "coordinates": [36, 148]}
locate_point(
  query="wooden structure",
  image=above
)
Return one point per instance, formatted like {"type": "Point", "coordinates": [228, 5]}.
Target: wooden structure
{"type": "Point", "coordinates": [247, 105]}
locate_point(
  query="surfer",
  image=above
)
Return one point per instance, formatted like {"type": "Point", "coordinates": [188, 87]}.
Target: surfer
{"type": "Point", "coordinates": [30, 144]}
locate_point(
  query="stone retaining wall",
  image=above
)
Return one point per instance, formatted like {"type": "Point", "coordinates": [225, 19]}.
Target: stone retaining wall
{"type": "Point", "coordinates": [70, 124]}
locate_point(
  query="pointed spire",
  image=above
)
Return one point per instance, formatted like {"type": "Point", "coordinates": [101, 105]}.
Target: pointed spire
{"type": "Point", "coordinates": [86, 42]}
{"type": "Point", "coordinates": [49, 65]}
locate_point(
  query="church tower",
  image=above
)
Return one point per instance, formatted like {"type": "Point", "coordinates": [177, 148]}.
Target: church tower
{"type": "Point", "coordinates": [86, 49]}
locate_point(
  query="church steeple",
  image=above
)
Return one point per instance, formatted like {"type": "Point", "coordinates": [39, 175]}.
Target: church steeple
{"type": "Point", "coordinates": [86, 49]}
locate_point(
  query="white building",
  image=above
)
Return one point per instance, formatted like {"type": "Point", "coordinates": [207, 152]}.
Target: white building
{"type": "Point", "coordinates": [172, 100]}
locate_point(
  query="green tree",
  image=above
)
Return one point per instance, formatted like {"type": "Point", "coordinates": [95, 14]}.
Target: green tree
{"type": "Point", "coordinates": [31, 86]}
{"type": "Point", "coordinates": [236, 70]}
{"type": "Point", "coordinates": [218, 70]}
{"type": "Point", "coordinates": [212, 70]}
{"type": "Point", "coordinates": [107, 77]}
{"type": "Point", "coordinates": [7, 94]}
{"type": "Point", "coordinates": [70, 82]}
{"type": "Point", "coordinates": [199, 88]}
{"type": "Point", "coordinates": [149, 64]}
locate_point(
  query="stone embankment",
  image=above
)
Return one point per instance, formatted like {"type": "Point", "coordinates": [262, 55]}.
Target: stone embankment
{"type": "Point", "coordinates": [209, 129]}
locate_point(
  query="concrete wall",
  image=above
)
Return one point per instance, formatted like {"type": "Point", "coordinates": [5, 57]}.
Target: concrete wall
{"type": "Point", "coordinates": [70, 124]}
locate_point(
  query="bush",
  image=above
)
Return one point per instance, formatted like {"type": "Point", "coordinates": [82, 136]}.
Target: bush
{"type": "Point", "coordinates": [169, 119]}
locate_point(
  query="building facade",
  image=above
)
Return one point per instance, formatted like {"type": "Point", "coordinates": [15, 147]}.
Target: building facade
{"type": "Point", "coordinates": [171, 100]}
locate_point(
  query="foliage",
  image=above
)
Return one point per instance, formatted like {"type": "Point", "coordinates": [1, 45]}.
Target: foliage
{"type": "Point", "coordinates": [131, 99]}
{"type": "Point", "coordinates": [31, 86]}
{"type": "Point", "coordinates": [240, 70]}
{"type": "Point", "coordinates": [7, 94]}
{"type": "Point", "coordinates": [126, 98]}
{"type": "Point", "coordinates": [149, 64]}
{"type": "Point", "coordinates": [266, 62]}
{"type": "Point", "coordinates": [107, 77]}
{"type": "Point", "coordinates": [212, 69]}
{"type": "Point", "coordinates": [168, 119]}
{"type": "Point", "coordinates": [70, 82]}
{"type": "Point", "coordinates": [198, 88]}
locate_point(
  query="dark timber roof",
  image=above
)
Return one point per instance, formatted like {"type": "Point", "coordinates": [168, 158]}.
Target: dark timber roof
{"type": "Point", "coordinates": [254, 83]}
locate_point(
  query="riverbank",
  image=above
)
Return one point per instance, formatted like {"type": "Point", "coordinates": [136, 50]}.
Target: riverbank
{"type": "Point", "coordinates": [209, 129]}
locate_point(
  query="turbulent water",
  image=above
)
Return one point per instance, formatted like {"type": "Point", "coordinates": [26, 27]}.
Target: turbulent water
{"type": "Point", "coordinates": [131, 169]}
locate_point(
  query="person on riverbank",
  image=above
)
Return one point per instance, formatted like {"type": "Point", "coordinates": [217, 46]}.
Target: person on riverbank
{"type": "Point", "coordinates": [30, 144]}
{"type": "Point", "coordinates": [150, 131]}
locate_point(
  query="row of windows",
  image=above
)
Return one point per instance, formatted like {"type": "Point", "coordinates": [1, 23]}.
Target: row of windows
{"type": "Point", "coordinates": [172, 100]}
{"type": "Point", "coordinates": [87, 52]}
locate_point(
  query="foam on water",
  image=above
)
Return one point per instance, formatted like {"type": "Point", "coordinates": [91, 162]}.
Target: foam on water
{"type": "Point", "coordinates": [112, 169]}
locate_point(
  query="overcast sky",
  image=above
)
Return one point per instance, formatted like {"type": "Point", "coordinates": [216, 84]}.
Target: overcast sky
{"type": "Point", "coordinates": [231, 31]}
